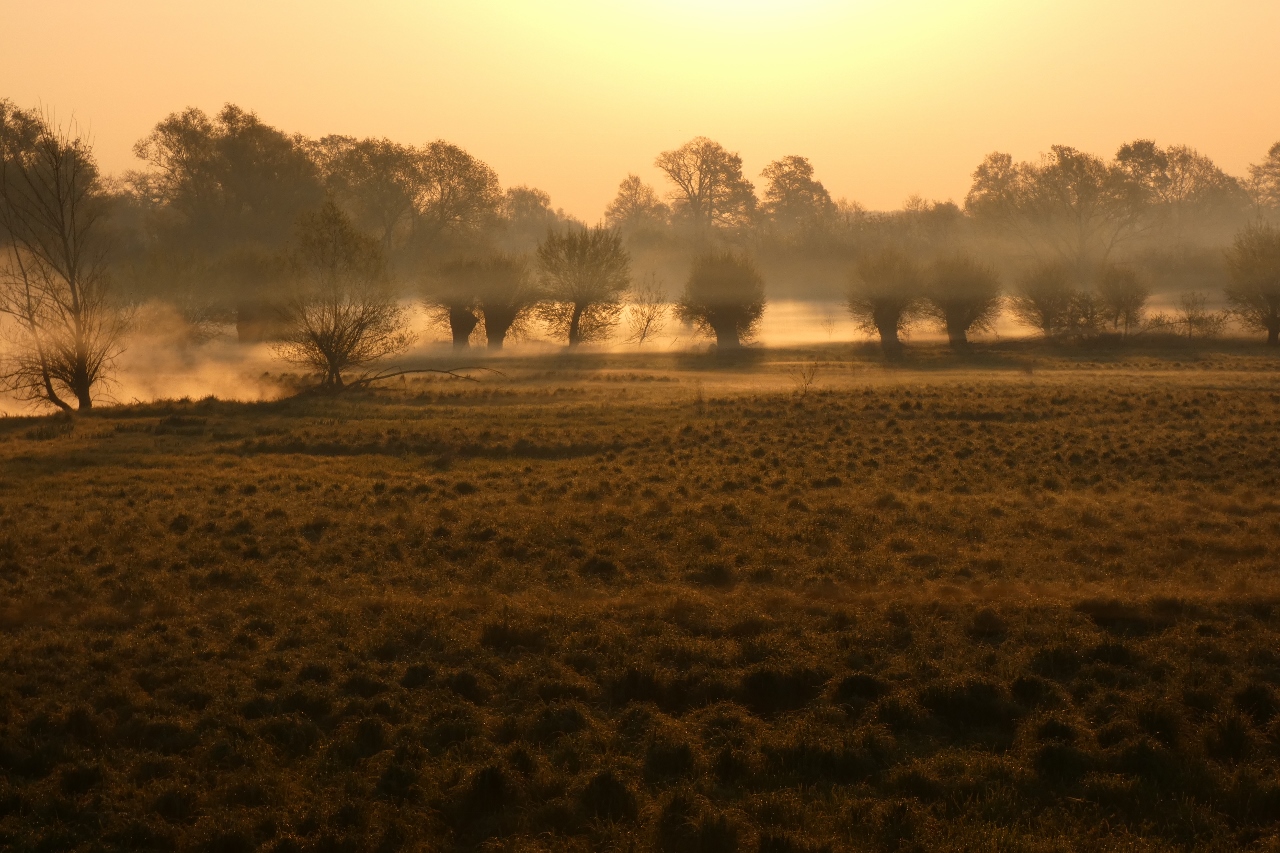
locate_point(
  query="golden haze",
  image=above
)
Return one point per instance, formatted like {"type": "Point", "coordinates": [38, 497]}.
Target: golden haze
{"type": "Point", "coordinates": [887, 99]}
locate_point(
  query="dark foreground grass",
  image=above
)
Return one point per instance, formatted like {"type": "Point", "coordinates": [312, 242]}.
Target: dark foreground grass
{"type": "Point", "coordinates": [927, 613]}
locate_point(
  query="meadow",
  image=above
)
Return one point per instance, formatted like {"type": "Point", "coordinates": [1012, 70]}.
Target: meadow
{"type": "Point", "coordinates": [1029, 601]}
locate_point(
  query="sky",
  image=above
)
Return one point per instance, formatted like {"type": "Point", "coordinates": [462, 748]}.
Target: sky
{"type": "Point", "coordinates": [888, 98]}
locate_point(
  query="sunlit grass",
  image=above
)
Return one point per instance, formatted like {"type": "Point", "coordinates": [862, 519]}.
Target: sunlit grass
{"type": "Point", "coordinates": [605, 603]}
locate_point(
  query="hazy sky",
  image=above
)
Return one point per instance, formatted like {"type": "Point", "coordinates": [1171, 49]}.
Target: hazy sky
{"type": "Point", "coordinates": [886, 97]}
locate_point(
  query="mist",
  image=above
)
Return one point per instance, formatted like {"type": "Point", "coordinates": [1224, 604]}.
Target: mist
{"type": "Point", "coordinates": [201, 236]}
{"type": "Point", "coordinates": [359, 494]}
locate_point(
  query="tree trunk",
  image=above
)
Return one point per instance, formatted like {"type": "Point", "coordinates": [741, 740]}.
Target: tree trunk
{"type": "Point", "coordinates": [890, 343]}
{"type": "Point", "coordinates": [82, 388]}
{"type": "Point", "coordinates": [1273, 336]}
{"type": "Point", "coordinates": [462, 322]}
{"type": "Point", "coordinates": [727, 336]}
{"type": "Point", "coordinates": [496, 326]}
{"type": "Point", "coordinates": [575, 326]}
{"type": "Point", "coordinates": [957, 336]}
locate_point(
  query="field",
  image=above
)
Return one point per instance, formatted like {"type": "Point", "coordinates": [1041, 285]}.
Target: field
{"type": "Point", "coordinates": [622, 603]}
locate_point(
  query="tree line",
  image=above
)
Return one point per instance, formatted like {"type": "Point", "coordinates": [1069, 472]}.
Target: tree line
{"type": "Point", "coordinates": [315, 243]}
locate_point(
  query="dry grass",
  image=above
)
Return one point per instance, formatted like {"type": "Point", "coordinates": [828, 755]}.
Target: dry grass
{"type": "Point", "coordinates": [643, 604]}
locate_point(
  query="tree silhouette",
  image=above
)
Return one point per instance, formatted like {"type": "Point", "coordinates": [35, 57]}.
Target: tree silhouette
{"type": "Point", "coordinates": [1180, 187]}
{"type": "Point", "coordinates": [963, 295]}
{"type": "Point", "coordinates": [793, 199]}
{"type": "Point", "coordinates": [451, 297]}
{"type": "Point", "coordinates": [1264, 180]}
{"type": "Point", "coordinates": [585, 272]}
{"type": "Point", "coordinates": [68, 327]}
{"type": "Point", "coordinates": [375, 181]}
{"type": "Point", "coordinates": [1254, 293]}
{"type": "Point", "coordinates": [1070, 205]}
{"type": "Point", "coordinates": [724, 296]}
{"type": "Point", "coordinates": [885, 297]}
{"type": "Point", "coordinates": [710, 189]}
{"type": "Point", "coordinates": [636, 207]}
{"type": "Point", "coordinates": [456, 194]}
{"type": "Point", "coordinates": [341, 315]}
{"type": "Point", "coordinates": [226, 181]}
{"type": "Point", "coordinates": [1123, 297]}
{"type": "Point", "coordinates": [1043, 299]}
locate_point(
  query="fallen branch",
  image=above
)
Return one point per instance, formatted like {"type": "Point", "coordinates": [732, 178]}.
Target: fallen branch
{"type": "Point", "coordinates": [392, 374]}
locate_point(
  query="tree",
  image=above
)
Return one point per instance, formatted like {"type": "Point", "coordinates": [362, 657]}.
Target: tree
{"type": "Point", "coordinates": [68, 329]}
{"type": "Point", "coordinates": [1070, 205]}
{"type": "Point", "coordinates": [526, 215]}
{"type": "Point", "coordinates": [963, 296]}
{"type": "Point", "coordinates": [341, 315]}
{"type": "Point", "coordinates": [710, 190]}
{"type": "Point", "coordinates": [402, 194]}
{"type": "Point", "coordinates": [451, 297]}
{"type": "Point", "coordinates": [1043, 300]}
{"type": "Point", "coordinates": [227, 181]}
{"type": "Point", "coordinates": [376, 182]}
{"type": "Point", "coordinates": [508, 295]}
{"type": "Point", "coordinates": [1254, 294]}
{"type": "Point", "coordinates": [1086, 315]}
{"type": "Point", "coordinates": [885, 297]}
{"type": "Point", "coordinates": [1123, 297]}
{"type": "Point", "coordinates": [636, 207]}
{"type": "Point", "coordinates": [1264, 180]}
{"type": "Point", "coordinates": [648, 314]}
{"type": "Point", "coordinates": [585, 272]}
{"type": "Point", "coordinates": [1193, 319]}
{"type": "Point", "coordinates": [1181, 188]}
{"type": "Point", "coordinates": [724, 296]}
{"type": "Point", "coordinates": [455, 193]}
{"type": "Point", "coordinates": [490, 290]}
{"type": "Point", "coordinates": [793, 199]}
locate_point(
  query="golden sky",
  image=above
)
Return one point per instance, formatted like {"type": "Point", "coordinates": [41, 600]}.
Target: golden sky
{"type": "Point", "coordinates": [888, 98]}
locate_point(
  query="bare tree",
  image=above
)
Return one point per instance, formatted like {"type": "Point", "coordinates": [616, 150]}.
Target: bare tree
{"type": "Point", "coordinates": [802, 376]}
{"type": "Point", "coordinates": [1043, 299]}
{"type": "Point", "coordinates": [648, 315]}
{"type": "Point", "coordinates": [1123, 297]}
{"type": "Point", "coordinates": [342, 314]}
{"type": "Point", "coordinates": [723, 297]}
{"type": "Point", "coordinates": [585, 272]}
{"type": "Point", "coordinates": [710, 189]}
{"type": "Point", "coordinates": [963, 296]}
{"type": "Point", "coordinates": [885, 297]}
{"type": "Point", "coordinates": [1193, 319]}
{"type": "Point", "coordinates": [1254, 294]}
{"type": "Point", "coordinates": [67, 329]}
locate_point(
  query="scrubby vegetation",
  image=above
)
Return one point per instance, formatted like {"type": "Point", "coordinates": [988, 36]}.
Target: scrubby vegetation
{"type": "Point", "coordinates": [626, 604]}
